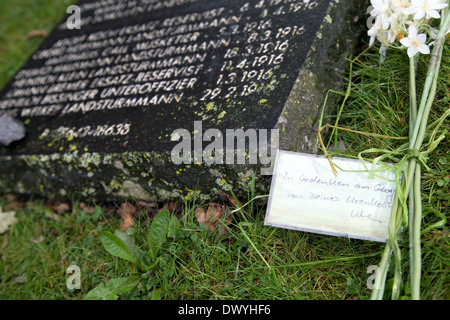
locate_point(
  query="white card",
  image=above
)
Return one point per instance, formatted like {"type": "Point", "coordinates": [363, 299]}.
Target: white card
{"type": "Point", "coordinates": [305, 195]}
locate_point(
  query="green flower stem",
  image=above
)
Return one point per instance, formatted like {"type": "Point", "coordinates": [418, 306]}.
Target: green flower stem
{"type": "Point", "coordinates": [416, 228]}
{"type": "Point", "coordinates": [431, 76]}
{"type": "Point", "coordinates": [412, 95]}
{"type": "Point", "coordinates": [394, 228]}
{"type": "Point", "coordinates": [410, 186]}
{"type": "Point", "coordinates": [380, 280]}
{"type": "Point", "coordinates": [417, 135]}
{"type": "Point", "coordinates": [416, 275]}
{"type": "Point", "coordinates": [378, 292]}
{"type": "Point", "coordinates": [395, 224]}
{"type": "Point", "coordinates": [412, 215]}
{"type": "Point", "coordinates": [412, 120]}
{"type": "Point", "coordinates": [423, 125]}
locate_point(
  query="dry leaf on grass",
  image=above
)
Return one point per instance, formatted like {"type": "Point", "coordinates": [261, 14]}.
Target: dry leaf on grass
{"type": "Point", "coordinates": [86, 208]}
{"type": "Point", "coordinates": [216, 216]}
{"type": "Point", "coordinates": [126, 211]}
{"type": "Point", "coordinates": [53, 216]}
{"type": "Point", "coordinates": [147, 209]}
{"type": "Point", "coordinates": [12, 203]}
{"type": "Point", "coordinates": [60, 207]}
{"type": "Point", "coordinates": [229, 198]}
{"type": "Point", "coordinates": [127, 222]}
{"type": "Point", "coordinates": [173, 207]}
{"type": "Point", "coordinates": [34, 33]}
{"type": "Point", "coordinates": [234, 202]}
{"type": "Point", "coordinates": [126, 208]}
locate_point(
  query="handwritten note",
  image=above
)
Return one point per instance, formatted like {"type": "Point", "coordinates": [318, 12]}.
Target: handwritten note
{"type": "Point", "coordinates": [305, 195]}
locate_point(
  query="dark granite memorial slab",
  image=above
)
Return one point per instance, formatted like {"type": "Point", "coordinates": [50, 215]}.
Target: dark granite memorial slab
{"type": "Point", "coordinates": [101, 103]}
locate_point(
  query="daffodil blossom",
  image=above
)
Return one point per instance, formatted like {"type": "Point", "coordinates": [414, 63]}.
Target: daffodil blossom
{"type": "Point", "coordinates": [389, 19]}
{"type": "Point", "coordinates": [415, 42]}
{"type": "Point", "coordinates": [373, 31]}
{"type": "Point", "coordinates": [425, 8]}
{"type": "Point", "coordinates": [399, 6]}
{"type": "Point", "coordinates": [381, 11]}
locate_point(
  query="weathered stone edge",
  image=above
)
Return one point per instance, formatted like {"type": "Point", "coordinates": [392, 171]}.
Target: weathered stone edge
{"type": "Point", "coordinates": [145, 176]}
{"type": "Point", "coordinates": [322, 71]}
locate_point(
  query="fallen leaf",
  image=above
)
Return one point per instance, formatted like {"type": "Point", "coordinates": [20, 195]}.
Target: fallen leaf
{"type": "Point", "coordinates": [164, 207]}
{"type": "Point", "coordinates": [174, 207]}
{"type": "Point", "coordinates": [236, 203]}
{"type": "Point", "coordinates": [146, 204]}
{"type": "Point", "coordinates": [229, 198]}
{"type": "Point", "coordinates": [126, 208]}
{"type": "Point", "coordinates": [126, 211]}
{"type": "Point", "coordinates": [146, 209]}
{"type": "Point", "coordinates": [61, 207]}
{"type": "Point", "coordinates": [89, 209]}
{"type": "Point", "coordinates": [216, 216]}
{"type": "Point", "coordinates": [34, 33]}
{"type": "Point", "coordinates": [127, 222]}
{"type": "Point", "coordinates": [12, 203]}
{"type": "Point", "coordinates": [10, 197]}
{"type": "Point", "coordinates": [50, 209]}
{"type": "Point", "coordinates": [86, 208]}
{"type": "Point", "coordinates": [53, 216]}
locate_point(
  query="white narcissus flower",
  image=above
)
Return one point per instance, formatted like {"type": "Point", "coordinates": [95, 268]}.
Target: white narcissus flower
{"type": "Point", "coordinates": [399, 6]}
{"type": "Point", "coordinates": [397, 18]}
{"type": "Point", "coordinates": [374, 31]}
{"type": "Point", "coordinates": [381, 11]}
{"type": "Point", "coordinates": [425, 8]}
{"type": "Point", "coordinates": [415, 42]}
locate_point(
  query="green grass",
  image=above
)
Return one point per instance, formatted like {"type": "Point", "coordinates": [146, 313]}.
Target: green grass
{"type": "Point", "coordinates": [196, 265]}
{"type": "Point", "coordinates": [38, 249]}
{"type": "Point", "coordinates": [17, 19]}
{"type": "Point", "coordinates": [251, 261]}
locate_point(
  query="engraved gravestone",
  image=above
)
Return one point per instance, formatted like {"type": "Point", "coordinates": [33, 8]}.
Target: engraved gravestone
{"type": "Point", "coordinates": [102, 104]}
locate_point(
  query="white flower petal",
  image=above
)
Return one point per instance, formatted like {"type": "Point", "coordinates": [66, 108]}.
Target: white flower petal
{"type": "Point", "coordinates": [412, 32]}
{"type": "Point", "coordinates": [439, 6]}
{"type": "Point", "coordinates": [406, 42]}
{"type": "Point", "coordinates": [412, 51]}
{"type": "Point", "coordinates": [433, 14]}
{"type": "Point", "coordinates": [410, 10]}
{"type": "Point", "coordinates": [419, 15]}
{"type": "Point", "coordinates": [421, 37]}
{"type": "Point", "coordinates": [423, 48]}
{"type": "Point", "coordinates": [377, 3]}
